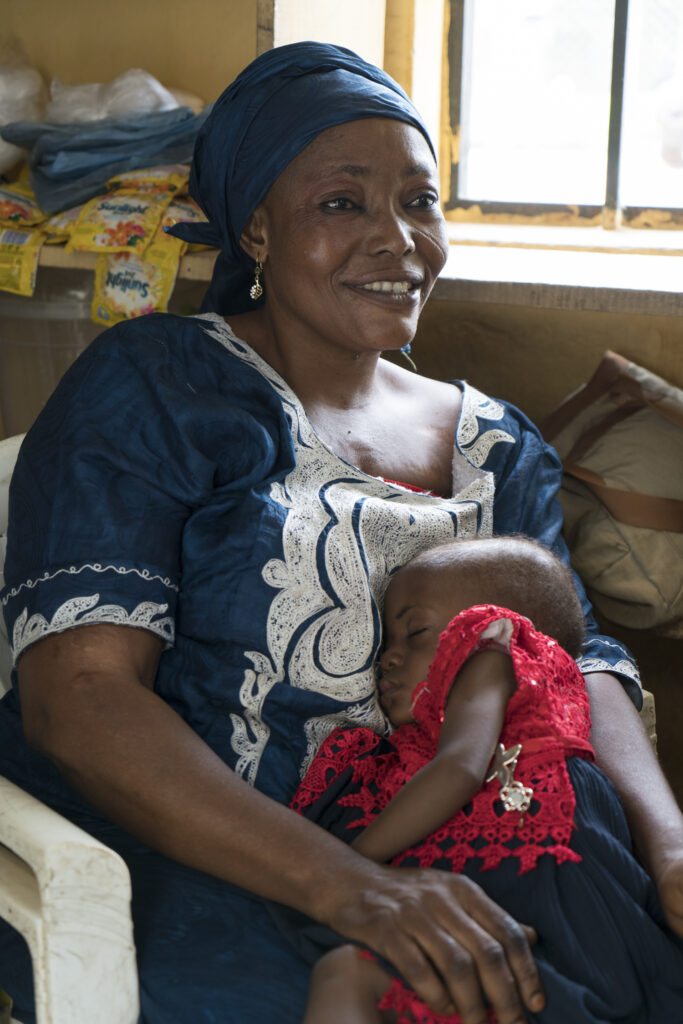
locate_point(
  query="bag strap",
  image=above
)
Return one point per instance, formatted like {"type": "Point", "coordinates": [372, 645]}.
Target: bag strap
{"type": "Point", "coordinates": [610, 377]}
{"type": "Point", "coordinates": [590, 436]}
{"type": "Point", "coordinates": [632, 507]}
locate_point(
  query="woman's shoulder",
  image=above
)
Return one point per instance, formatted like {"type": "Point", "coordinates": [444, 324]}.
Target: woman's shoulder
{"type": "Point", "coordinates": [176, 358]}
{"type": "Point", "coordinates": [162, 337]}
{"type": "Point", "coordinates": [155, 386]}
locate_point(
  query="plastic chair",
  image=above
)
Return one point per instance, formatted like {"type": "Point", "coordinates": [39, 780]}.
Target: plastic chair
{"type": "Point", "coordinates": [67, 893]}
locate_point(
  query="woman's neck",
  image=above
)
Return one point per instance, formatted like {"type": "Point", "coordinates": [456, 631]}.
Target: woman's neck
{"type": "Point", "coordinates": [320, 374]}
{"type": "Point", "coordinates": [380, 418]}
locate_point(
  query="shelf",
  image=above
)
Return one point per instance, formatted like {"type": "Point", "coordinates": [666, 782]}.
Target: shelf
{"type": "Point", "coordinates": [196, 266]}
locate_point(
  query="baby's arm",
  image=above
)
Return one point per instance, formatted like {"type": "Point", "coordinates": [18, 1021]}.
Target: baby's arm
{"type": "Point", "coordinates": [472, 724]}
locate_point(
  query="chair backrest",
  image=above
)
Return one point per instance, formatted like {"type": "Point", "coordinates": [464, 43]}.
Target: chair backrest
{"type": "Point", "coordinates": [9, 449]}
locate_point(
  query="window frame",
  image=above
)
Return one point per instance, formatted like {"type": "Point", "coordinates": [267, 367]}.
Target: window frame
{"type": "Point", "coordinates": [609, 216]}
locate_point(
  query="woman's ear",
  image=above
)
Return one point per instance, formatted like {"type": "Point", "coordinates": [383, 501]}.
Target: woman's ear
{"type": "Point", "coordinates": [254, 238]}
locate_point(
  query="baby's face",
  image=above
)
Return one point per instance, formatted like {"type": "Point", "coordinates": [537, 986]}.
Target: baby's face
{"type": "Point", "coordinates": [415, 616]}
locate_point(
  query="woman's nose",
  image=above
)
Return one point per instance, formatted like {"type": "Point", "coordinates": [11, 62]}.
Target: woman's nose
{"type": "Point", "coordinates": [392, 234]}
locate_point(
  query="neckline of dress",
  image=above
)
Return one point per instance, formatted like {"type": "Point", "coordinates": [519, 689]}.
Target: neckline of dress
{"type": "Point", "coordinates": [269, 372]}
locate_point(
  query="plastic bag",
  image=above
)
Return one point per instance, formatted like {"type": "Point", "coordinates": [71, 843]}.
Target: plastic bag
{"type": "Point", "coordinates": [133, 92]}
{"type": "Point", "coordinates": [22, 95]}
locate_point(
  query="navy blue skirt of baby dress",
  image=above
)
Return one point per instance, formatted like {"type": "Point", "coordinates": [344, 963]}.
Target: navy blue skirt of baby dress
{"type": "Point", "coordinates": [604, 950]}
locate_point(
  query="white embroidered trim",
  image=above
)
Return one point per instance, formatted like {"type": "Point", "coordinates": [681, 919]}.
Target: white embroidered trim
{"type": "Point", "coordinates": [254, 689]}
{"type": "Point", "coordinates": [79, 611]}
{"type": "Point", "coordinates": [144, 574]}
{"type": "Point", "coordinates": [624, 667]}
{"type": "Point", "coordinates": [475, 445]}
{"type": "Point", "coordinates": [322, 626]}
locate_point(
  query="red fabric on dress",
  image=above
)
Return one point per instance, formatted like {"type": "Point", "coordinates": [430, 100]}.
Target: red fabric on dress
{"type": "Point", "coordinates": [548, 714]}
{"type": "Point", "coordinates": [403, 1001]}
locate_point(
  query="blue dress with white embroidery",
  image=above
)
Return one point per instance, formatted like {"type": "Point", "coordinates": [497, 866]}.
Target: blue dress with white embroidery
{"type": "Point", "coordinates": [172, 470]}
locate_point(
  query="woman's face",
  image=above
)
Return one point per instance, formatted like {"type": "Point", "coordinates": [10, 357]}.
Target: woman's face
{"type": "Point", "coordinates": [353, 236]}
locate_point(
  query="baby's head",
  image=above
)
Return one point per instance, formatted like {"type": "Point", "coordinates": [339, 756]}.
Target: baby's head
{"type": "Point", "coordinates": [426, 593]}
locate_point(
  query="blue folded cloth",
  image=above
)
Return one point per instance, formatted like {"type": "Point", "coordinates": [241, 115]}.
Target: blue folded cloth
{"type": "Point", "coordinates": [71, 163]}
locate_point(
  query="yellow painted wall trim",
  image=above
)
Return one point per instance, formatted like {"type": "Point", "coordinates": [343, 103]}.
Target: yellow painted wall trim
{"type": "Point", "coordinates": [399, 29]}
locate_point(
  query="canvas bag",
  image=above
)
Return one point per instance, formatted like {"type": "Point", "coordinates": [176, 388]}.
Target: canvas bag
{"type": "Point", "coordinates": [620, 437]}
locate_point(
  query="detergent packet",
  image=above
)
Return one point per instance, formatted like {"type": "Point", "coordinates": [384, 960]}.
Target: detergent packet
{"type": "Point", "coordinates": [166, 178]}
{"type": "Point", "coordinates": [118, 222]}
{"type": "Point", "coordinates": [19, 207]}
{"type": "Point", "coordinates": [19, 252]}
{"type": "Point", "coordinates": [185, 209]}
{"type": "Point", "coordinates": [129, 286]}
{"type": "Point", "coordinates": [59, 227]}
{"type": "Point", "coordinates": [182, 210]}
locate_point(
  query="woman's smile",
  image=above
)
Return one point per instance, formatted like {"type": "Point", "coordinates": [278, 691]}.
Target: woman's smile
{"type": "Point", "coordinates": [399, 287]}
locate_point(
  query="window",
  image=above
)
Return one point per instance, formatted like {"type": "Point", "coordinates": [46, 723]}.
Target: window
{"type": "Point", "coordinates": [566, 111]}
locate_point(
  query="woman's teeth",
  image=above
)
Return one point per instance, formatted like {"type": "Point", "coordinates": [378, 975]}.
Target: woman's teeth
{"type": "Point", "coordinates": [395, 287]}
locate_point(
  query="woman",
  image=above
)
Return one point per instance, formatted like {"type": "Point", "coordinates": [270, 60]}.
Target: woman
{"type": "Point", "coordinates": [210, 499]}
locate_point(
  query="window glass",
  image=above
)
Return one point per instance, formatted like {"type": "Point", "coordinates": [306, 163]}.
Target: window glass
{"type": "Point", "coordinates": [535, 100]}
{"type": "Point", "coordinates": [652, 132]}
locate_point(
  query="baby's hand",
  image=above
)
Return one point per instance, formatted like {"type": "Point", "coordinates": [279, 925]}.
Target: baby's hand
{"type": "Point", "coordinates": [670, 888]}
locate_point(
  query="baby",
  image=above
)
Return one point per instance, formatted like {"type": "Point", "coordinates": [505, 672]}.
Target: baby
{"type": "Point", "coordinates": [489, 772]}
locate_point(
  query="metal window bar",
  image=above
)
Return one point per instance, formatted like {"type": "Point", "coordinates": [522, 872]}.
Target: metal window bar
{"type": "Point", "coordinates": [610, 215]}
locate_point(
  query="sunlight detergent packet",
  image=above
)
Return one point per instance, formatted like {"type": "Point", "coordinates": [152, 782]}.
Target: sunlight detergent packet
{"type": "Point", "coordinates": [167, 178]}
{"type": "Point", "coordinates": [119, 222]}
{"type": "Point", "coordinates": [128, 285]}
{"type": "Point", "coordinates": [19, 251]}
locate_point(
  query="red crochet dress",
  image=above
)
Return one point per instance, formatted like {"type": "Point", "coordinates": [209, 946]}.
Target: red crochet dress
{"type": "Point", "coordinates": [548, 715]}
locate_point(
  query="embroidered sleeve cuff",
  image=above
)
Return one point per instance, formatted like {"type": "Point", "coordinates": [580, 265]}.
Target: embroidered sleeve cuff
{"type": "Point", "coordinates": [618, 665]}
{"type": "Point", "coordinates": [94, 593]}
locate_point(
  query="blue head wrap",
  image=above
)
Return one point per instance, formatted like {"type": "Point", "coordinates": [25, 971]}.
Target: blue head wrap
{"type": "Point", "coordinates": [269, 114]}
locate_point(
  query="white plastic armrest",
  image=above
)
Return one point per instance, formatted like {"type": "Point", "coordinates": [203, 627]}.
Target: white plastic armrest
{"type": "Point", "coordinates": [69, 896]}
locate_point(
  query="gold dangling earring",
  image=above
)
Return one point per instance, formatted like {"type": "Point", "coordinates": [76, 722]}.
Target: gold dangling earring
{"type": "Point", "coordinates": [256, 290]}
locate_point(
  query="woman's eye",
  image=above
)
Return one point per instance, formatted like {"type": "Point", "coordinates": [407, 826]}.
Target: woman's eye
{"type": "Point", "coordinates": [338, 203]}
{"type": "Point", "coordinates": [425, 201]}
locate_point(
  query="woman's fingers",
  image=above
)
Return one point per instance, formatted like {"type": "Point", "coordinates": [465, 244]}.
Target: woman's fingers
{"type": "Point", "coordinates": [479, 951]}
{"type": "Point", "coordinates": [452, 944]}
{"type": "Point", "coordinates": [513, 941]}
{"type": "Point", "coordinates": [418, 970]}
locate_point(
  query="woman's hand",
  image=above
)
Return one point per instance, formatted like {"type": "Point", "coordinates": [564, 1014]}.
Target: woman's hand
{"type": "Point", "coordinates": [451, 943]}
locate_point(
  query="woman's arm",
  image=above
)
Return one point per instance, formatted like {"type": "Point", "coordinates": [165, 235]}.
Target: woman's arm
{"type": "Point", "coordinates": [623, 750]}
{"type": "Point", "coordinates": [88, 704]}
{"type": "Point", "coordinates": [472, 724]}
